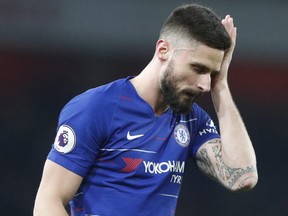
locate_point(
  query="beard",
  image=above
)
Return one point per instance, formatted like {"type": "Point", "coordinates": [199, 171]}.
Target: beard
{"type": "Point", "coordinates": [180, 101]}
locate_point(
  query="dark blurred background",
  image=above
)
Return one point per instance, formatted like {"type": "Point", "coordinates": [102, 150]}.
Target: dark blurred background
{"type": "Point", "coordinates": [53, 50]}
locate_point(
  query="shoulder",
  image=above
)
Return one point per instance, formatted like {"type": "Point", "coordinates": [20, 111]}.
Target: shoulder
{"type": "Point", "coordinates": [200, 113]}
{"type": "Point", "coordinates": [97, 97]}
{"type": "Point", "coordinates": [197, 110]}
{"type": "Point", "coordinates": [106, 91]}
{"type": "Point", "coordinates": [94, 105]}
{"type": "Point", "coordinates": [92, 111]}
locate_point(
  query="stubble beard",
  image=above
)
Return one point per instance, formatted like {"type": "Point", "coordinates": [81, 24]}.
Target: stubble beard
{"type": "Point", "coordinates": [181, 102]}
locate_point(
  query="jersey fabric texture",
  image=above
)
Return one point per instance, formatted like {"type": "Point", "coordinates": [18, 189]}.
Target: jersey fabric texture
{"type": "Point", "coordinates": [132, 161]}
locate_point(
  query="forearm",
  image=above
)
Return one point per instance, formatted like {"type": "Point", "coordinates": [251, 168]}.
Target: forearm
{"type": "Point", "coordinates": [236, 157]}
{"type": "Point", "coordinates": [237, 149]}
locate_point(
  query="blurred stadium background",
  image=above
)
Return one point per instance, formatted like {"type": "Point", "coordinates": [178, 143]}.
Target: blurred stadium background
{"type": "Point", "coordinates": [53, 50]}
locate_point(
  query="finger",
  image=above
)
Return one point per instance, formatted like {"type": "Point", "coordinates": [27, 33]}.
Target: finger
{"type": "Point", "coordinates": [228, 23]}
{"type": "Point", "coordinates": [234, 35]}
{"type": "Point", "coordinates": [224, 21]}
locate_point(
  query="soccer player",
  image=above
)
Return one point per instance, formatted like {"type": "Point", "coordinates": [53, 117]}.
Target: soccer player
{"type": "Point", "coordinates": [121, 148]}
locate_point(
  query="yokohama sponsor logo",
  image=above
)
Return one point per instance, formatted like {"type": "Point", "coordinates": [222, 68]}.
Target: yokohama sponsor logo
{"type": "Point", "coordinates": [163, 167]}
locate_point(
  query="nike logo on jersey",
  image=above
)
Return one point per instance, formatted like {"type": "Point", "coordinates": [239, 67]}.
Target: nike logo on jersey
{"type": "Point", "coordinates": [132, 137]}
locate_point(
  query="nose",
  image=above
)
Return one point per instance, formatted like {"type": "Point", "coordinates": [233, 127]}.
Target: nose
{"type": "Point", "coordinates": [204, 82]}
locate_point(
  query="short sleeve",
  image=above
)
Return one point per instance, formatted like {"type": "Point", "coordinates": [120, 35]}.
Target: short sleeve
{"type": "Point", "coordinates": [205, 130]}
{"type": "Point", "coordinates": [82, 129]}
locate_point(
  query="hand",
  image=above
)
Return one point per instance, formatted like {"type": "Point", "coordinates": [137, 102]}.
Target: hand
{"type": "Point", "coordinates": [232, 31]}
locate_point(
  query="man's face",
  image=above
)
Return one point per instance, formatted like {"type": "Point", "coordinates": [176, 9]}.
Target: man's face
{"type": "Point", "coordinates": [188, 74]}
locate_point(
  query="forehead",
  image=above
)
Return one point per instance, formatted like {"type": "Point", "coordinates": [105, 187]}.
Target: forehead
{"type": "Point", "coordinates": [201, 54]}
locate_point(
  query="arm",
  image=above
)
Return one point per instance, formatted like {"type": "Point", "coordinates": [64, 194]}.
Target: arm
{"type": "Point", "coordinates": [236, 177]}
{"type": "Point", "coordinates": [57, 187]}
{"type": "Point", "coordinates": [231, 160]}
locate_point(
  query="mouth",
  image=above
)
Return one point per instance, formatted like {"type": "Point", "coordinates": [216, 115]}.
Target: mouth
{"type": "Point", "coordinates": [191, 94]}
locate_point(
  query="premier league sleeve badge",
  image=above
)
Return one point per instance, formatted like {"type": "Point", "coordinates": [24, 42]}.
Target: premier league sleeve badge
{"type": "Point", "coordinates": [65, 139]}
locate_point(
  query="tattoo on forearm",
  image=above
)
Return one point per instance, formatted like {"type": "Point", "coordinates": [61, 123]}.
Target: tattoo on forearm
{"type": "Point", "coordinates": [205, 164]}
{"type": "Point", "coordinates": [222, 171]}
{"type": "Point", "coordinates": [214, 141]}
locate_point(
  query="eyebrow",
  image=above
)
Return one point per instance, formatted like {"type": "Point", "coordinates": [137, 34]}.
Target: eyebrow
{"type": "Point", "coordinates": [204, 68]}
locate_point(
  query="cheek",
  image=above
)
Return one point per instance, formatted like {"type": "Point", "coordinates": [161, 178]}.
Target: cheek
{"type": "Point", "coordinates": [177, 75]}
{"type": "Point", "coordinates": [183, 75]}
{"type": "Point", "coordinates": [186, 80]}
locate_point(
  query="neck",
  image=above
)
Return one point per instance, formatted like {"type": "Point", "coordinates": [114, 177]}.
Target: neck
{"type": "Point", "coordinates": [147, 87]}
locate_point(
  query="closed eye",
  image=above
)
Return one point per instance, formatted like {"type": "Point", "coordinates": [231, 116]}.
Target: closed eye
{"type": "Point", "coordinates": [199, 68]}
{"type": "Point", "coordinates": [202, 69]}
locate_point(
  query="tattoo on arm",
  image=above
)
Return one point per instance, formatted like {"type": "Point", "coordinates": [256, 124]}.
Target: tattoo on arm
{"type": "Point", "coordinates": [205, 164]}
{"type": "Point", "coordinates": [220, 171]}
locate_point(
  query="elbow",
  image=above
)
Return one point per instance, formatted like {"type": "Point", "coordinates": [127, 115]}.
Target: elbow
{"type": "Point", "coordinates": [249, 184]}
{"type": "Point", "coordinates": [246, 184]}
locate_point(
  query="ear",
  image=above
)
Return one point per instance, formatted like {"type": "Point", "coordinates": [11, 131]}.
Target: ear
{"type": "Point", "coordinates": [162, 48]}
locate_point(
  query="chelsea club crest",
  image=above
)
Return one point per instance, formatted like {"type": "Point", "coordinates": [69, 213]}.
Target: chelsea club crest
{"type": "Point", "coordinates": [181, 135]}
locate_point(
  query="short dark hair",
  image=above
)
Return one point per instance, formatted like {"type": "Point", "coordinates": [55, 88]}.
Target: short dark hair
{"type": "Point", "coordinates": [198, 23]}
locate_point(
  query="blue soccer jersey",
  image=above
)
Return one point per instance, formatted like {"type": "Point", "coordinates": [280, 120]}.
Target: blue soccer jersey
{"type": "Point", "coordinates": [132, 162]}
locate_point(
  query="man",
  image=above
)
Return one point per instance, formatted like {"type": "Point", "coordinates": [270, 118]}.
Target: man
{"type": "Point", "coordinates": [121, 148]}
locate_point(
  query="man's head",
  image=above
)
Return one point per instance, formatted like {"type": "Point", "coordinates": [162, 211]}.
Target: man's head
{"type": "Point", "coordinates": [191, 48]}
